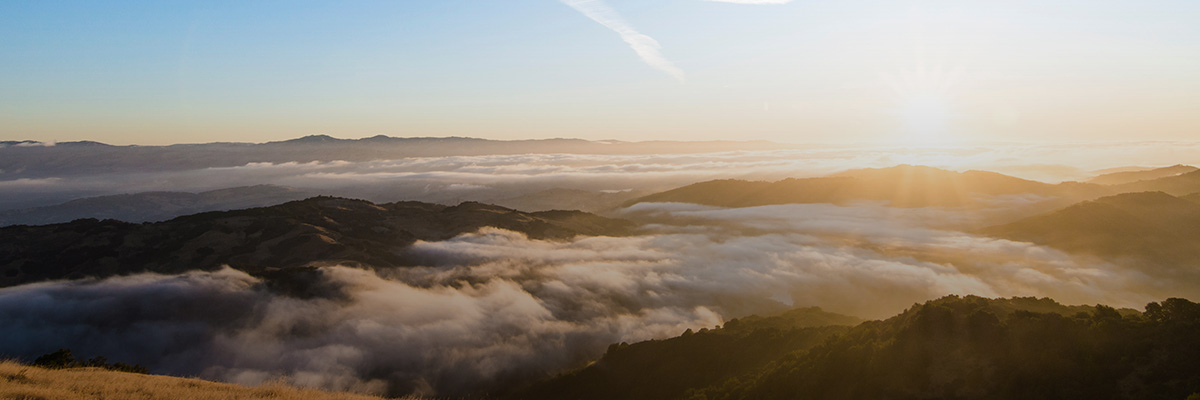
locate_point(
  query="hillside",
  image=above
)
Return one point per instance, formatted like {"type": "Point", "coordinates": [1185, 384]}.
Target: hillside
{"type": "Point", "coordinates": [953, 347]}
{"type": "Point", "coordinates": [1177, 185]}
{"type": "Point", "coordinates": [307, 232]}
{"type": "Point", "coordinates": [1147, 226]}
{"type": "Point", "coordinates": [665, 369]}
{"type": "Point", "coordinates": [27, 382]}
{"type": "Point", "coordinates": [153, 206]}
{"type": "Point", "coordinates": [901, 186]}
{"type": "Point", "coordinates": [1122, 177]}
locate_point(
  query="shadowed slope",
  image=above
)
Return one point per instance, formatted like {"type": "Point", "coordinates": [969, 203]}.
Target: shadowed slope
{"type": "Point", "coordinates": [316, 231]}
{"type": "Point", "coordinates": [666, 369]}
{"type": "Point", "coordinates": [1148, 226]}
{"type": "Point", "coordinates": [949, 348]}
{"type": "Point", "coordinates": [976, 348]}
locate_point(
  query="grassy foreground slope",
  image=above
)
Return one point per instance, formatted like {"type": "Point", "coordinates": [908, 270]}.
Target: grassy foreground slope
{"type": "Point", "coordinates": [24, 382]}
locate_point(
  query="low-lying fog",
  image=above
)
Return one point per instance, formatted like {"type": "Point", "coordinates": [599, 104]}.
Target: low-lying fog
{"type": "Point", "coordinates": [493, 308]}
{"type": "Point", "coordinates": [492, 178]}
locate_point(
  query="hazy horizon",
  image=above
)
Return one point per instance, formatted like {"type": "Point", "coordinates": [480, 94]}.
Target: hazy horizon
{"type": "Point", "coordinates": [921, 72]}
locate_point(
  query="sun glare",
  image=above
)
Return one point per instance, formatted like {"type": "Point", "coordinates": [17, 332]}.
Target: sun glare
{"type": "Point", "coordinates": [925, 117]}
{"type": "Point", "coordinates": [923, 104]}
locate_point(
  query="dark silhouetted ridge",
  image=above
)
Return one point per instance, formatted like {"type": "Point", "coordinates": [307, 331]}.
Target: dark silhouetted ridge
{"type": "Point", "coordinates": [315, 231]}
{"type": "Point", "coordinates": [950, 348]}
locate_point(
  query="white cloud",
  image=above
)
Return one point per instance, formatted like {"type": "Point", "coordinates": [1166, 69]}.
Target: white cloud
{"type": "Point", "coordinates": [646, 47]}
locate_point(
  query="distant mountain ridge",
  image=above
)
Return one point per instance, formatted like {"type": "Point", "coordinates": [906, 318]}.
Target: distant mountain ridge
{"type": "Point", "coordinates": [1123, 177]}
{"type": "Point", "coordinates": [29, 160]}
{"type": "Point", "coordinates": [315, 231]}
{"type": "Point", "coordinates": [153, 206]}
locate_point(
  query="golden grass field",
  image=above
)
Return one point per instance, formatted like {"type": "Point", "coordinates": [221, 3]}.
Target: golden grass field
{"type": "Point", "coordinates": [22, 382]}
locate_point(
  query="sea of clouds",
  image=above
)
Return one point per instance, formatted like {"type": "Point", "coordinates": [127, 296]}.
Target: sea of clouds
{"type": "Point", "coordinates": [493, 308]}
{"type": "Point", "coordinates": [493, 177]}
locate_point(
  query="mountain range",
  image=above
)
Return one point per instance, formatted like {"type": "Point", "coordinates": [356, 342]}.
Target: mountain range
{"type": "Point", "coordinates": [25, 159]}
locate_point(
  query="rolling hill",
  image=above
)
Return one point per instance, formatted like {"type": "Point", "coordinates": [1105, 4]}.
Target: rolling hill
{"type": "Point", "coordinates": [1150, 227]}
{"type": "Point", "coordinates": [300, 233]}
{"type": "Point", "coordinates": [901, 186]}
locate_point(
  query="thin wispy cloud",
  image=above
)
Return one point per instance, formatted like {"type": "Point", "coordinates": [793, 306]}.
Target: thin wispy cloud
{"type": "Point", "coordinates": [752, 1]}
{"type": "Point", "coordinates": [646, 47]}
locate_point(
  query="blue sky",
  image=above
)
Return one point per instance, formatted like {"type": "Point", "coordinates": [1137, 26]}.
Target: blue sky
{"type": "Point", "coordinates": [155, 72]}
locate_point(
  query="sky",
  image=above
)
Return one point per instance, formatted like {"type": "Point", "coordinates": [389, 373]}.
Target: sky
{"type": "Point", "coordinates": [856, 71]}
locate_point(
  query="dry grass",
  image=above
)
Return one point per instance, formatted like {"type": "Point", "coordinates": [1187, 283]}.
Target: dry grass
{"type": "Point", "coordinates": [22, 382]}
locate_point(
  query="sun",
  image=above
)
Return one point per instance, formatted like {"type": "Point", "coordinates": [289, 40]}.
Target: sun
{"type": "Point", "coordinates": [923, 104]}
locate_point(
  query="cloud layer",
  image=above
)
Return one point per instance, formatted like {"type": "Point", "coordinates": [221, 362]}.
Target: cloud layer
{"type": "Point", "coordinates": [492, 178]}
{"type": "Point", "coordinates": [494, 308]}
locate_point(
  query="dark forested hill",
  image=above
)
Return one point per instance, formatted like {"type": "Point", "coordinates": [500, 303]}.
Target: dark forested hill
{"type": "Point", "coordinates": [307, 232]}
{"type": "Point", "coordinates": [666, 369]}
{"type": "Point", "coordinates": [950, 348]}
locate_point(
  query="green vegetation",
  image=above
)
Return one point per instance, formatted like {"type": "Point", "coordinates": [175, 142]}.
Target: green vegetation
{"type": "Point", "coordinates": [950, 348]}
{"type": "Point", "coordinates": [665, 369]}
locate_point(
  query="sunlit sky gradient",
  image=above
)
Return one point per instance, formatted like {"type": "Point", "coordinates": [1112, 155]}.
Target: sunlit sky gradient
{"type": "Point", "coordinates": [157, 72]}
